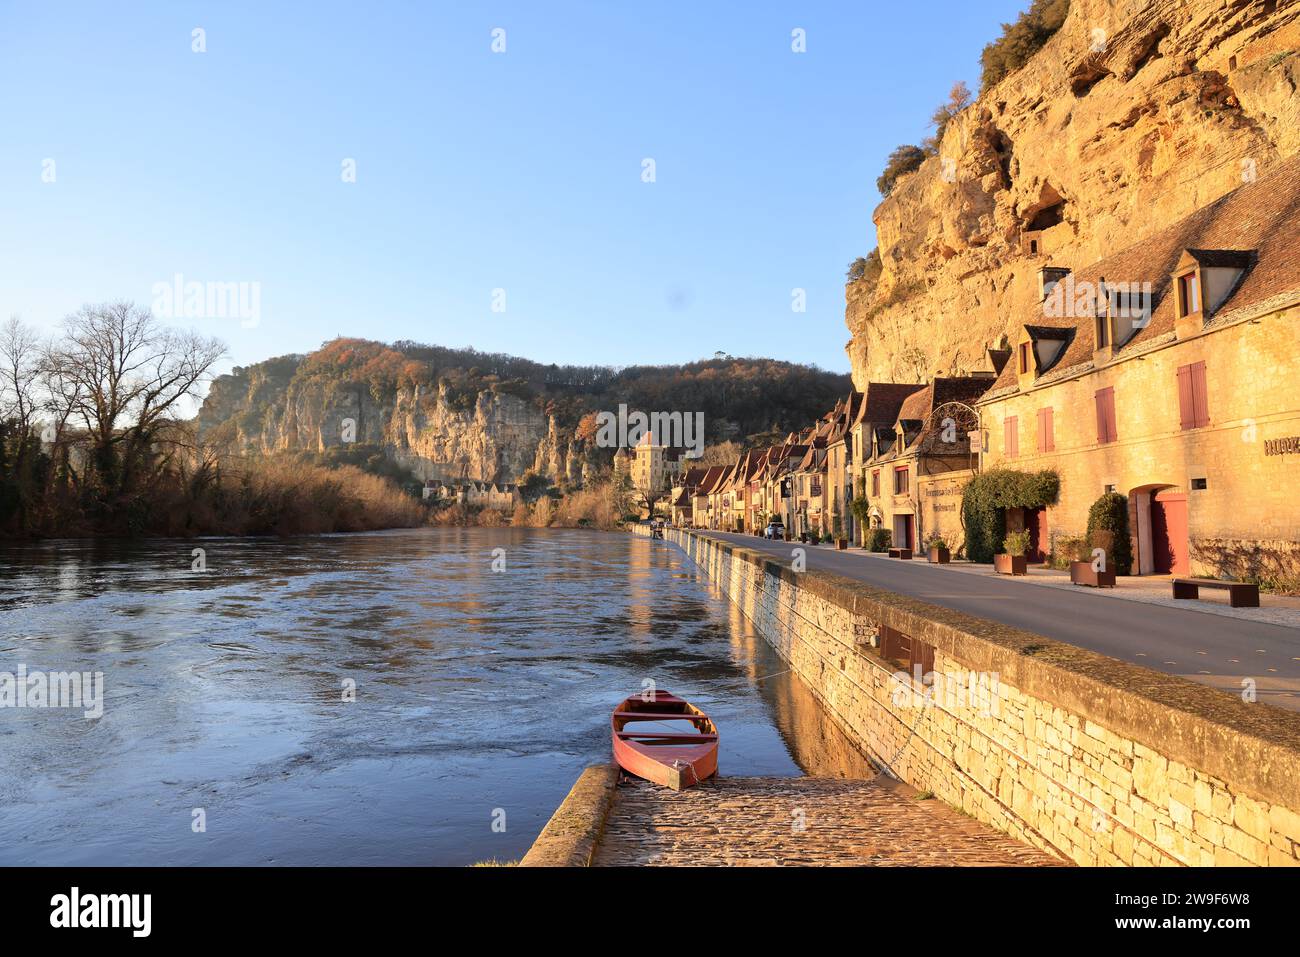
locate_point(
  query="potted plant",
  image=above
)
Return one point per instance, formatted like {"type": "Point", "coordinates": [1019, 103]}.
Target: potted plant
{"type": "Point", "coordinates": [939, 551]}
{"type": "Point", "coordinates": [1096, 571]}
{"type": "Point", "coordinates": [840, 541]}
{"type": "Point", "coordinates": [1013, 561]}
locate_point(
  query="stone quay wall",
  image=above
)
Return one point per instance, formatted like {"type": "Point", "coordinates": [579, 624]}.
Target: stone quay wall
{"type": "Point", "coordinates": [1094, 760]}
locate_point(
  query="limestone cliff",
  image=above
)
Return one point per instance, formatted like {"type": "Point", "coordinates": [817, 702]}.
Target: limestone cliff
{"type": "Point", "coordinates": [451, 413]}
{"type": "Point", "coordinates": [427, 430]}
{"type": "Point", "coordinates": [1135, 114]}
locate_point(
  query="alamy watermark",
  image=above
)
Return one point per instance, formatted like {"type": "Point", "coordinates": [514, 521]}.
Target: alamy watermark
{"type": "Point", "coordinates": [978, 691]}
{"type": "Point", "coordinates": [53, 689]}
{"type": "Point", "coordinates": [180, 299]}
{"type": "Point", "coordinates": [675, 430]}
{"type": "Point", "coordinates": [1078, 299]}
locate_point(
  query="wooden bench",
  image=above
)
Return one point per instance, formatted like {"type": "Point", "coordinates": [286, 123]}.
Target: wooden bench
{"type": "Point", "coordinates": [905, 553]}
{"type": "Point", "coordinates": [1240, 594]}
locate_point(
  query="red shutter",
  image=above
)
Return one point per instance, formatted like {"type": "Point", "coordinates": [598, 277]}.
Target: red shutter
{"type": "Point", "coordinates": [1106, 431]}
{"type": "Point", "coordinates": [1186, 404]}
{"type": "Point", "coordinates": [1011, 437]}
{"type": "Point", "coordinates": [1200, 408]}
{"type": "Point", "coordinates": [1046, 441]}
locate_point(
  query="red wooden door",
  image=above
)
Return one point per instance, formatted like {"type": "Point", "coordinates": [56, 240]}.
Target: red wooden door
{"type": "Point", "coordinates": [1036, 523]}
{"type": "Point", "coordinates": [1169, 533]}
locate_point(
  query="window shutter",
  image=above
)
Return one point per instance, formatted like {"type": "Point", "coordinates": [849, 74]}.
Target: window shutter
{"type": "Point", "coordinates": [1200, 407]}
{"type": "Point", "coordinates": [1106, 431]}
{"type": "Point", "coordinates": [1186, 404]}
{"type": "Point", "coordinates": [1046, 440]}
{"type": "Point", "coordinates": [1010, 436]}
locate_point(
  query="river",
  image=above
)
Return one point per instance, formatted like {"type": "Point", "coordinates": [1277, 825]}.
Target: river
{"type": "Point", "coordinates": [408, 697]}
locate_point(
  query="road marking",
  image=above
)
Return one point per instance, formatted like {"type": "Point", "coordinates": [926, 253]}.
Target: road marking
{"type": "Point", "coordinates": [998, 597]}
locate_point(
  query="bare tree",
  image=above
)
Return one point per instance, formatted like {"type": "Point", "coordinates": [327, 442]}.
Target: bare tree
{"type": "Point", "coordinates": [20, 353]}
{"type": "Point", "coordinates": [125, 377]}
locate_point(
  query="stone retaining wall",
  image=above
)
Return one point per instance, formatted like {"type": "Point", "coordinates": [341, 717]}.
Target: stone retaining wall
{"type": "Point", "coordinates": [1092, 759]}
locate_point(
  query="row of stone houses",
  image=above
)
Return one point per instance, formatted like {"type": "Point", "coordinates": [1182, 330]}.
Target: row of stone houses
{"type": "Point", "coordinates": [1165, 372]}
{"type": "Point", "coordinates": [499, 495]}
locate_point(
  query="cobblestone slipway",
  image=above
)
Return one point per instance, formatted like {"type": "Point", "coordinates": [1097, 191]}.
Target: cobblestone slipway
{"type": "Point", "coordinates": [799, 822]}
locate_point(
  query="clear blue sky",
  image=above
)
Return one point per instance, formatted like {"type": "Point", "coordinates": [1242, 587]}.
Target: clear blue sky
{"type": "Point", "coordinates": [475, 170]}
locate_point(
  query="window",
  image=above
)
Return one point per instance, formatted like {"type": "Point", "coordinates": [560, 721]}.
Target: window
{"type": "Point", "coordinates": [875, 483]}
{"type": "Point", "coordinates": [1024, 357]}
{"type": "Point", "coordinates": [1046, 436]}
{"type": "Point", "coordinates": [1189, 294]}
{"type": "Point", "coordinates": [1105, 399]}
{"type": "Point", "coordinates": [1193, 411]}
{"type": "Point", "coordinates": [1011, 436]}
{"type": "Point", "coordinates": [1199, 485]}
{"type": "Point", "coordinates": [1101, 330]}
{"type": "Point", "coordinates": [900, 481]}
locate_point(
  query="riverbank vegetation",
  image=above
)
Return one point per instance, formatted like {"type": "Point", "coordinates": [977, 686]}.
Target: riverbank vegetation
{"type": "Point", "coordinates": [93, 442]}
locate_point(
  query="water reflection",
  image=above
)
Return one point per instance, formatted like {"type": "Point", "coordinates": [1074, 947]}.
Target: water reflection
{"type": "Point", "coordinates": [475, 691]}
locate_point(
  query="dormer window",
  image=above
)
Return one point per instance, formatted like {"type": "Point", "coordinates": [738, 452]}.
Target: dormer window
{"type": "Point", "coordinates": [1189, 294]}
{"type": "Point", "coordinates": [1204, 282]}
{"type": "Point", "coordinates": [1039, 350]}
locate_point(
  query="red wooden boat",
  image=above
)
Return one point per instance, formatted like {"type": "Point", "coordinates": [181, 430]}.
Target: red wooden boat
{"type": "Point", "coordinates": [675, 757]}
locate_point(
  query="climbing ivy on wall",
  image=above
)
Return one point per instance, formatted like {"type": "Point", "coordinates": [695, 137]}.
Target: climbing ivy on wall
{"type": "Point", "coordinates": [987, 497]}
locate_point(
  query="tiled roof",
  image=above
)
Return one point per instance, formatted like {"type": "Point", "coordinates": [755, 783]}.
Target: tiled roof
{"type": "Point", "coordinates": [1261, 218]}
{"type": "Point", "coordinates": [883, 400]}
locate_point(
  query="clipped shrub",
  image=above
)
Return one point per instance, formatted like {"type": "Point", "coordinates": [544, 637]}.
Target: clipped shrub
{"type": "Point", "coordinates": [988, 495]}
{"type": "Point", "coordinates": [1108, 529]}
{"type": "Point", "coordinates": [882, 540]}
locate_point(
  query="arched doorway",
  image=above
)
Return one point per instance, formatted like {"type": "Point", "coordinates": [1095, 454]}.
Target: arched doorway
{"type": "Point", "coordinates": [1158, 520]}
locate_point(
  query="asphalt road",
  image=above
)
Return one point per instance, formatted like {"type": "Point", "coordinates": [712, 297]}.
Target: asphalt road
{"type": "Point", "coordinates": [1209, 648]}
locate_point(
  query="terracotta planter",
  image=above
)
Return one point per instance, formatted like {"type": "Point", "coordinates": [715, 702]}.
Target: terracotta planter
{"type": "Point", "coordinates": [940, 556]}
{"type": "Point", "coordinates": [841, 543]}
{"type": "Point", "coordinates": [1010, 564]}
{"type": "Point", "coordinates": [1082, 573]}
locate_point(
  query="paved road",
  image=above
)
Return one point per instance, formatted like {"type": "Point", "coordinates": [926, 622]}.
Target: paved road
{"type": "Point", "coordinates": [1212, 649]}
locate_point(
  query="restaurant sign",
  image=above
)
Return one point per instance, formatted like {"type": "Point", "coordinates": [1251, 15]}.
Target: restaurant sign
{"type": "Point", "coordinates": [1285, 446]}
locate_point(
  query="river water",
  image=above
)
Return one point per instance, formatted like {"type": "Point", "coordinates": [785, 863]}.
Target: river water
{"type": "Point", "coordinates": [482, 664]}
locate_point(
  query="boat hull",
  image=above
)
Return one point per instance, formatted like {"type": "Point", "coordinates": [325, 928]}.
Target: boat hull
{"type": "Point", "coordinates": [672, 759]}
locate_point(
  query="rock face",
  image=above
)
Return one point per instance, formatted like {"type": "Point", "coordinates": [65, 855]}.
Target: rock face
{"type": "Point", "coordinates": [499, 438]}
{"type": "Point", "coordinates": [1134, 115]}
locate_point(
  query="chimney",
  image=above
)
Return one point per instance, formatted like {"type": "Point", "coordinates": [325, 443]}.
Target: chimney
{"type": "Point", "coordinates": [1048, 277]}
